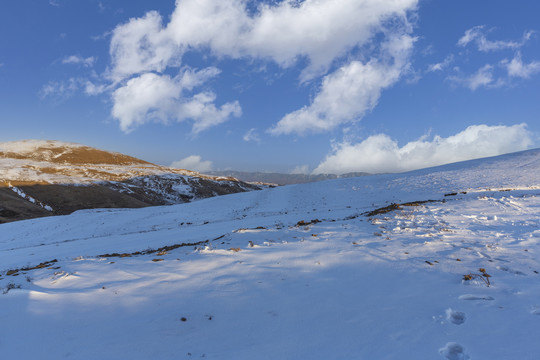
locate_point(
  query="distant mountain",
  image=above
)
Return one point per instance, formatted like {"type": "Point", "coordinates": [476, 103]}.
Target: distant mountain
{"type": "Point", "coordinates": [282, 179]}
{"type": "Point", "coordinates": [43, 178]}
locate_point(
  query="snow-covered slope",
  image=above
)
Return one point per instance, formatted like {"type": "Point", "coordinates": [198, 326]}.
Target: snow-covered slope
{"type": "Point", "coordinates": [381, 267]}
{"type": "Point", "coordinates": [45, 173]}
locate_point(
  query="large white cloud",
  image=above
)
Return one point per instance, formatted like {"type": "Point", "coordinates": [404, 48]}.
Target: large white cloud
{"type": "Point", "coordinates": [320, 30]}
{"type": "Point", "coordinates": [140, 46]}
{"type": "Point", "coordinates": [380, 153]}
{"type": "Point", "coordinates": [348, 93]}
{"type": "Point", "coordinates": [317, 32]}
{"type": "Point", "coordinates": [153, 97]}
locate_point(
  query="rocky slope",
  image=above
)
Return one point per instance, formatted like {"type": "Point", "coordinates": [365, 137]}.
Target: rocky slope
{"type": "Point", "coordinates": [43, 178]}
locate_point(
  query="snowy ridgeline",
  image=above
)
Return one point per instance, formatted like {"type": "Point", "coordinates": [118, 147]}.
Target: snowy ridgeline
{"type": "Point", "coordinates": [440, 263]}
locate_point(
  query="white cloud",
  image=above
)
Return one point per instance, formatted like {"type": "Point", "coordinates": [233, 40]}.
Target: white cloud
{"type": "Point", "coordinates": [284, 32]}
{"type": "Point", "coordinates": [312, 32]}
{"type": "Point", "coordinates": [252, 135]}
{"type": "Point", "coordinates": [153, 97]}
{"type": "Point", "coordinates": [516, 67]}
{"type": "Point", "coordinates": [482, 78]}
{"type": "Point", "coordinates": [60, 90]}
{"type": "Point", "coordinates": [300, 169]}
{"type": "Point", "coordinates": [94, 89]}
{"type": "Point", "coordinates": [379, 153]}
{"type": "Point", "coordinates": [442, 65]}
{"type": "Point", "coordinates": [350, 92]}
{"type": "Point", "coordinates": [194, 163]}
{"type": "Point", "coordinates": [476, 35]}
{"type": "Point", "coordinates": [78, 60]}
{"type": "Point", "coordinates": [141, 45]}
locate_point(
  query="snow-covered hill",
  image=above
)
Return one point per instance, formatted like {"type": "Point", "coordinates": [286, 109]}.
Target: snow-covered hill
{"type": "Point", "coordinates": [441, 263]}
{"type": "Point", "coordinates": [53, 177]}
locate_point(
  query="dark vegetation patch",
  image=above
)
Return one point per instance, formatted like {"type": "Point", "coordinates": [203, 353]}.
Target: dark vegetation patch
{"type": "Point", "coordinates": [307, 223]}
{"type": "Point", "coordinates": [15, 272]}
{"type": "Point", "coordinates": [455, 193]}
{"type": "Point", "coordinates": [8, 213]}
{"type": "Point", "coordinates": [395, 206]}
{"type": "Point", "coordinates": [484, 276]}
{"type": "Point", "coordinates": [246, 229]}
{"type": "Point", "coordinates": [153, 251]}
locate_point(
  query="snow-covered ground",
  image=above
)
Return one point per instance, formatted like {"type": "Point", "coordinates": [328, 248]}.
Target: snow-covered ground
{"type": "Point", "coordinates": [296, 272]}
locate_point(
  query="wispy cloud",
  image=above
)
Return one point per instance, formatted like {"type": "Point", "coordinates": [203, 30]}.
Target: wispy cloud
{"type": "Point", "coordinates": [380, 153]}
{"type": "Point", "coordinates": [252, 135]}
{"type": "Point", "coordinates": [516, 67]}
{"type": "Point", "coordinates": [194, 163]}
{"type": "Point", "coordinates": [442, 65]}
{"type": "Point", "coordinates": [482, 78]}
{"type": "Point", "coordinates": [60, 91]}
{"type": "Point", "coordinates": [477, 35]}
{"type": "Point", "coordinates": [79, 60]}
{"type": "Point", "coordinates": [490, 76]}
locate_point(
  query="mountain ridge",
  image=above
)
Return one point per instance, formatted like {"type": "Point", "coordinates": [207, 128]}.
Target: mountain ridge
{"type": "Point", "coordinates": [282, 178]}
{"type": "Point", "coordinates": [56, 178]}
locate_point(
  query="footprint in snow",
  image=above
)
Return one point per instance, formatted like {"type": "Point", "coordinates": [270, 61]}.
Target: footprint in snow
{"type": "Point", "coordinates": [455, 317]}
{"type": "Point", "coordinates": [512, 271]}
{"type": "Point", "coordinates": [454, 351]}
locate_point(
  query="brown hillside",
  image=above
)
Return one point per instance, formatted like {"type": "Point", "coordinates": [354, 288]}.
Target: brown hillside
{"type": "Point", "coordinates": [68, 177]}
{"type": "Point", "coordinates": [75, 155]}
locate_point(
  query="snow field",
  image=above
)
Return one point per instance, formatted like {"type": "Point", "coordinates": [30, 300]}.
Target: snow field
{"type": "Point", "coordinates": [388, 286]}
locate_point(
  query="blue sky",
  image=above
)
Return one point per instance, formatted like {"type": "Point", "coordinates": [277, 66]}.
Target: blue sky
{"type": "Point", "coordinates": [291, 86]}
